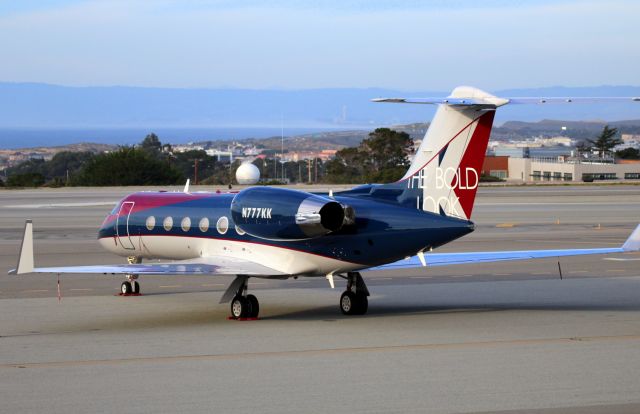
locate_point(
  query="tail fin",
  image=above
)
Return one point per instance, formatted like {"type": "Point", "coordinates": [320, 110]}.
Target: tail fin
{"type": "Point", "coordinates": [448, 163]}
{"type": "Point", "coordinates": [443, 177]}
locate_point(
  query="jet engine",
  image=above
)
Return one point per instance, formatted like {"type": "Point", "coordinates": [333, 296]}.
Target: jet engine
{"type": "Point", "coordinates": [284, 214]}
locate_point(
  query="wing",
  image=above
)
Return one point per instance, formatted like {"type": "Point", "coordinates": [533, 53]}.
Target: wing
{"type": "Point", "coordinates": [442, 259]}
{"type": "Point", "coordinates": [211, 265]}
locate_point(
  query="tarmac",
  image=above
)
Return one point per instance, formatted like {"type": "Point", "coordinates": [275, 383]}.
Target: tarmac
{"type": "Point", "coordinates": [503, 337]}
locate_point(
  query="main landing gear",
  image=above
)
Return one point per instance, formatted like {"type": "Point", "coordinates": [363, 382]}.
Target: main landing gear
{"type": "Point", "coordinates": [243, 305]}
{"type": "Point", "coordinates": [353, 300]}
{"type": "Point", "coordinates": [131, 286]}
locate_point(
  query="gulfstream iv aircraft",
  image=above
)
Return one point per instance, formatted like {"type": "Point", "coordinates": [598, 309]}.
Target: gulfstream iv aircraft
{"type": "Point", "coordinates": [267, 232]}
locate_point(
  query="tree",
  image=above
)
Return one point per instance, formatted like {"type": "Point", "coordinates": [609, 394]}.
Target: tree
{"type": "Point", "coordinates": [25, 180]}
{"type": "Point", "coordinates": [382, 157]}
{"type": "Point", "coordinates": [348, 166]}
{"type": "Point", "coordinates": [387, 151]}
{"type": "Point", "coordinates": [629, 154]}
{"type": "Point", "coordinates": [582, 147]}
{"type": "Point", "coordinates": [55, 170]}
{"type": "Point", "coordinates": [606, 140]}
{"type": "Point", "coordinates": [128, 166]}
{"type": "Point", "coordinates": [151, 144]}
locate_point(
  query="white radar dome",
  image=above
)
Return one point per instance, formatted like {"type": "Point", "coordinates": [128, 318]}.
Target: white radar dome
{"type": "Point", "coordinates": [247, 174]}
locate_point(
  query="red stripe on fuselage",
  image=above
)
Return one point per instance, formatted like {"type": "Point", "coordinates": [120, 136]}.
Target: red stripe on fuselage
{"type": "Point", "coordinates": [146, 201]}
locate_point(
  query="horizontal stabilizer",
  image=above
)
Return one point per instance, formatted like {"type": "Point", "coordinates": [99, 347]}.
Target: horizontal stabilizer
{"type": "Point", "coordinates": [497, 102]}
{"type": "Point", "coordinates": [569, 100]}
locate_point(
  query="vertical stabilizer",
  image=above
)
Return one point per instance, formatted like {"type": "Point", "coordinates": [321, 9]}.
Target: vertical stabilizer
{"type": "Point", "coordinates": [448, 163]}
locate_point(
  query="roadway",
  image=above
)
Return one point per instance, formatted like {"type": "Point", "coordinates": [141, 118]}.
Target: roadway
{"type": "Point", "coordinates": [485, 338]}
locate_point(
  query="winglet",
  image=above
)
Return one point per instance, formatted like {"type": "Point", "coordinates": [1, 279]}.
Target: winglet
{"type": "Point", "coordinates": [633, 242]}
{"type": "Point", "coordinates": [186, 186]}
{"type": "Point", "coordinates": [25, 261]}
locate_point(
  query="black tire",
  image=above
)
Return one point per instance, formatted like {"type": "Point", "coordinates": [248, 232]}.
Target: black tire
{"type": "Point", "coordinates": [254, 306]}
{"type": "Point", "coordinates": [348, 303]}
{"type": "Point", "coordinates": [362, 303]}
{"type": "Point", "coordinates": [136, 288]}
{"type": "Point", "coordinates": [240, 307]}
{"type": "Point", "coordinates": [125, 288]}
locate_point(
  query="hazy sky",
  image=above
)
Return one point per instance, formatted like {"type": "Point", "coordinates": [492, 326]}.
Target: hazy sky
{"type": "Point", "coordinates": [411, 45]}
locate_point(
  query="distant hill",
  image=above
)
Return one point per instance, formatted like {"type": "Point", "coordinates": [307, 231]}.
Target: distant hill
{"type": "Point", "coordinates": [550, 127]}
{"type": "Point", "coordinates": [510, 130]}
{"type": "Point", "coordinates": [33, 114]}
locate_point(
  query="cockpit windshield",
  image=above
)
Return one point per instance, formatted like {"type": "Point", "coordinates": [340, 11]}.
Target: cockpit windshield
{"type": "Point", "coordinates": [116, 208]}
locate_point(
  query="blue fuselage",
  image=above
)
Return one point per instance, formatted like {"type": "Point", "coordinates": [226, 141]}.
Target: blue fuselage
{"type": "Point", "coordinates": [382, 232]}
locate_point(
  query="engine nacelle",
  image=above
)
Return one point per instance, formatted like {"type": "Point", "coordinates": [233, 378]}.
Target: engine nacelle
{"type": "Point", "coordinates": [283, 214]}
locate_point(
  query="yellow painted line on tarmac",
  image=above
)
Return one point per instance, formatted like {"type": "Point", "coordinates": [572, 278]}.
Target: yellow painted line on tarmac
{"type": "Point", "coordinates": [505, 225]}
{"type": "Point", "coordinates": [212, 285]}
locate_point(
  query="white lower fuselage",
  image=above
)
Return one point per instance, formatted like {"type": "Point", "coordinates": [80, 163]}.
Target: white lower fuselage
{"type": "Point", "coordinates": [285, 260]}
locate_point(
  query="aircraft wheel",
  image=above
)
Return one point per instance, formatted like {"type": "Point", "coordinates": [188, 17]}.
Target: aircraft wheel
{"type": "Point", "coordinates": [348, 303]}
{"type": "Point", "coordinates": [240, 307]}
{"type": "Point", "coordinates": [136, 288]}
{"type": "Point", "coordinates": [254, 306]}
{"type": "Point", "coordinates": [125, 288]}
{"type": "Point", "coordinates": [362, 303]}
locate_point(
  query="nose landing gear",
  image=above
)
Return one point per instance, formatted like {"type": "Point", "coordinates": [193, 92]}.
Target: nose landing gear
{"type": "Point", "coordinates": [131, 287]}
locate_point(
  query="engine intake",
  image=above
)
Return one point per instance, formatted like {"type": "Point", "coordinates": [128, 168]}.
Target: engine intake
{"type": "Point", "coordinates": [284, 214]}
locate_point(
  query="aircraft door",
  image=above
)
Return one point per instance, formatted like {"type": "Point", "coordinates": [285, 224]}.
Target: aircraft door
{"type": "Point", "coordinates": [122, 225]}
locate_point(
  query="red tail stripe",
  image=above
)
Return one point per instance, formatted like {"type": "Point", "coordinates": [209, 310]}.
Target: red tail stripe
{"type": "Point", "coordinates": [473, 158]}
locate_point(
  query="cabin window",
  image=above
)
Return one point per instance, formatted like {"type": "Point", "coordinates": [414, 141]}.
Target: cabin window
{"type": "Point", "coordinates": [167, 223]}
{"type": "Point", "coordinates": [240, 231]}
{"type": "Point", "coordinates": [185, 224]}
{"type": "Point", "coordinates": [204, 224]}
{"type": "Point", "coordinates": [151, 223]}
{"type": "Point", "coordinates": [222, 225]}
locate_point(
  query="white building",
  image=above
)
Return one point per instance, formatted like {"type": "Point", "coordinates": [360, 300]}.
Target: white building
{"type": "Point", "coordinates": [557, 169]}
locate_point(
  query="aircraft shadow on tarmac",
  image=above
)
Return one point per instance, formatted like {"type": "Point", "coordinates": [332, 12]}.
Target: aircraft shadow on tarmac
{"type": "Point", "coordinates": [385, 310]}
{"type": "Point", "coordinates": [211, 315]}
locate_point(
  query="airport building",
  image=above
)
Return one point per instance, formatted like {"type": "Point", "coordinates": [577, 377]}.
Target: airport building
{"type": "Point", "coordinates": [571, 169]}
